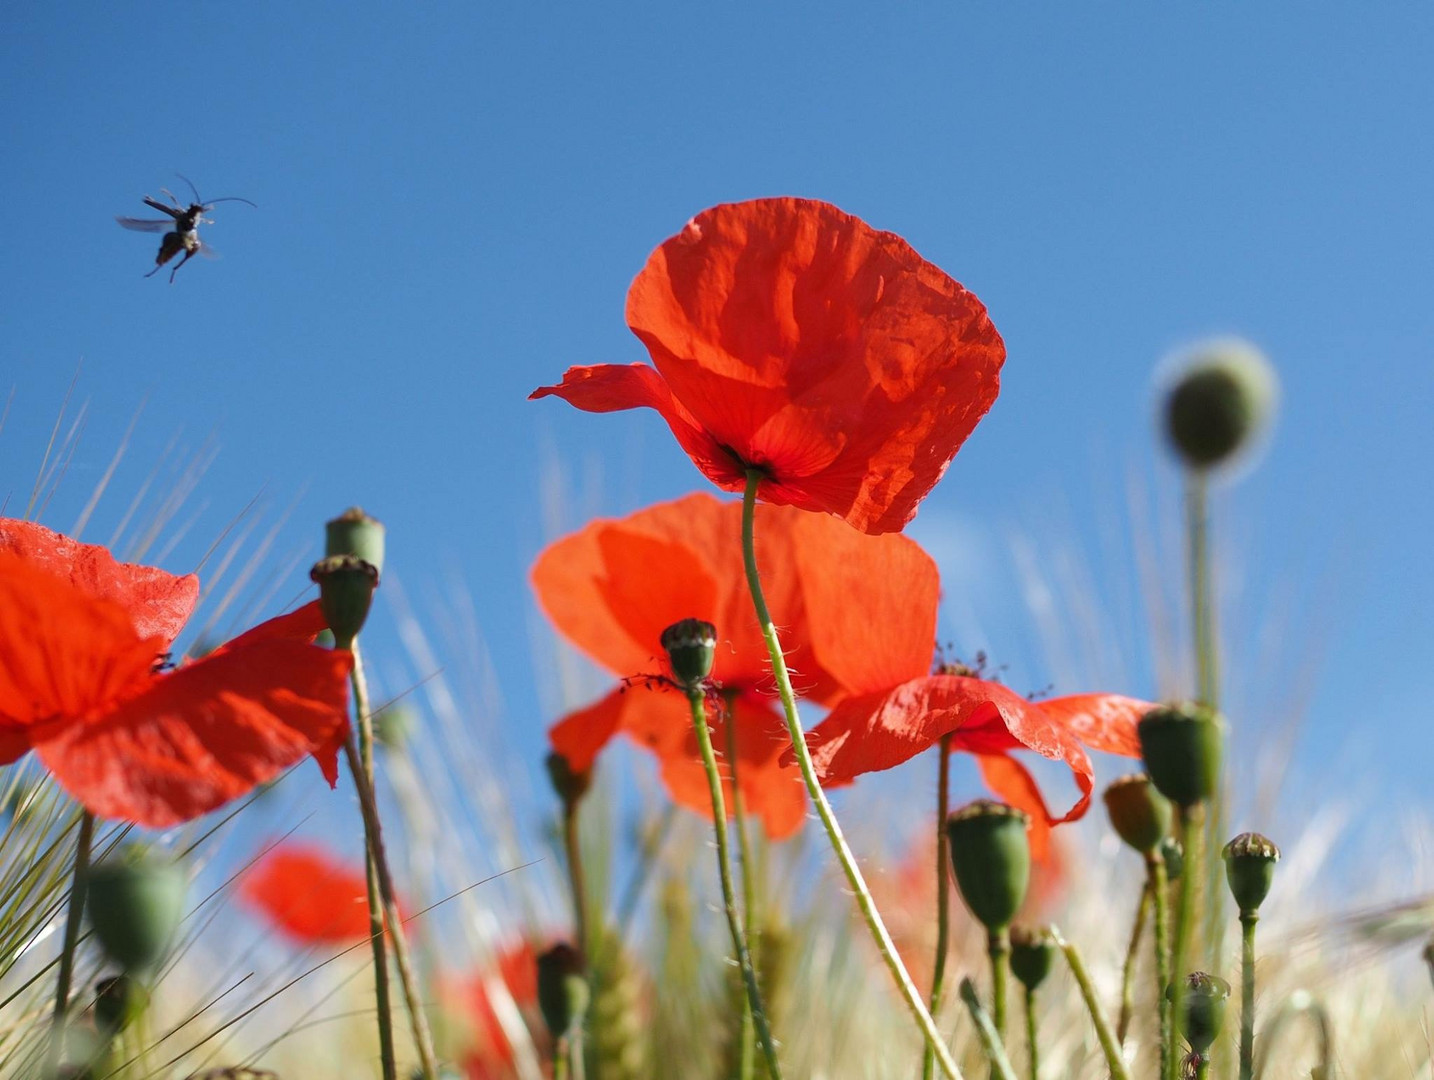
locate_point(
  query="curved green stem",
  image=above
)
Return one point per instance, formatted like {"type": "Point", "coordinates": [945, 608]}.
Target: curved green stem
{"type": "Point", "coordinates": [844, 854]}
{"type": "Point", "coordinates": [986, 1032]}
{"type": "Point", "coordinates": [1191, 822]}
{"type": "Point", "coordinates": [1247, 994]}
{"type": "Point", "coordinates": [74, 916]}
{"type": "Point", "coordinates": [1033, 1049]}
{"type": "Point", "coordinates": [746, 1047]}
{"type": "Point", "coordinates": [1159, 884]}
{"type": "Point", "coordinates": [943, 897]}
{"type": "Point", "coordinates": [1127, 973]}
{"type": "Point", "coordinates": [1103, 1032]}
{"type": "Point", "coordinates": [729, 892]}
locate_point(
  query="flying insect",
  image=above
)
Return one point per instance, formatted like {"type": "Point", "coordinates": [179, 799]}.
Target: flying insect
{"type": "Point", "coordinates": [180, 228]}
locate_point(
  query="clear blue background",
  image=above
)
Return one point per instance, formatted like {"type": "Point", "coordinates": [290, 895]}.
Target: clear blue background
{"type": "Point", "coordinates": [453, 199]}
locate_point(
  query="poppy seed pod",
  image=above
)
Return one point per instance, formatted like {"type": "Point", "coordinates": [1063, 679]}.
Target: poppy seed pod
{"type": "Point", "coordinates": [1220, 403]}
{"type": "Point", "coordinates": [1173, 856]}
{"type": "Point", "coordinates": [346, 584]}
{"type": "Point", "coordinates": [1033, 953]}
{"type": "Point", "coordinates": [569, 784]}
{"type": "Point", "coordinates": [1138, 812]}
{"type": "Point", "coordinates": [991, 859]}
{"type": "Point", "coordinates": [355, 533]}
{"type": "Point", "coordinates": [134, 904]}
{"type": "Point", "coordinates": [119, 1002]}
{"type": "Point", "coordinates": [1181, 745]}
{"type": "Point", "coordinates": [1205, 997]}
{"type": "Point", "coordinates": [691, 647]}
{"type": "Point", "coordinates": [1250, 868]}
{"type": "Point", "coordinates": [562, 989]}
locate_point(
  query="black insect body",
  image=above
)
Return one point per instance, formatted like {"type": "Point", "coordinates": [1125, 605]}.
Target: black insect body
{"type": "Point", "coordinates": [180, 228]}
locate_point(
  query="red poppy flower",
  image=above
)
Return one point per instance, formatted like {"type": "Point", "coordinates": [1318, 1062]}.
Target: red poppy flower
{"type": "Point", "coordinates": [793, 338]}
{"type": "Point", "coordinates": [613, 587]}
{"type": "Point", "coordinates": [308, 894]}
{"type": "Point", "coordinates": [82, 639]}
{"type": "Point", "coordinates": [879, 651]}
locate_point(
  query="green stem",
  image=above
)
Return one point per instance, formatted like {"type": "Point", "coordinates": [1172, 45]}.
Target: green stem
{"type": "Point", "coordinates": [576, 883]}
{"type": "Point", "coordinates": [1247, 994]}
{"type": "Point", "coordinates": [844, 854]}
{"type": "Point", "coordinates": [943, 897]}
{"type": "Point", "coordinates": [998, 948]}
{"type": "Point", "coordinates": [562, 1050]}
{"type": "Point", "coordinates": [1103, 1031]}
{"type": "Point", "coordinates": [986, 1032]}
{"type": "Point", "coordinates": [1202, 1066]}
{"type": "Point", "coordinates": [386, 1056]}
{"type": "Point", "coordinates": [746, 1048]}
{"type": "Point", "coordinates": [422, 1037]}
{"type": "Point", "coordinates": [74, 916]}
{"type": "Point", "coordinates": [1159, 885]}
{"type": "Point", "coordinates": [1190, 838]}
{"type": "Point", "coordinates": [1033, 1050]}
{"type": "Point", "coordinates": [729, 893]}
{"type": "Point", "coordinates": [1127, 973]}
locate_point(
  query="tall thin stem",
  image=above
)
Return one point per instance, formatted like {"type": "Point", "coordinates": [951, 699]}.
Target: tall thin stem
{"type": "Point", "coordinates": [746, 1048]}
{"type": "Point", "coordinates": [1033, 1049]}
{"type": "Point", "coordinates": [375, 900]}
{"type": "Point", "coordinates": [1248, 919]}
{"type": "Point", "coordinates": [74, 916]}
{"type": "Point", "coordinates": [943, 897]}
{"type": "Point", "coordinates": [986, 1033]}
{"type": "Point", "coordinates": [1127, 974]}
{"type": "Point", "coordinates": [844, 854]}
{"type": "Point", "coordinates": [1191, 823]}
{"type": "Point", "coordinates": [698, 702]}
{"type": "Point", "coordinates": [1103, 1032]}
{"type": "Point", "coordinates": [1159, 884]}
{"type": "Point", "coordinates": [998, 948]}
{"type": "Point", "coordinates": [577, 884]}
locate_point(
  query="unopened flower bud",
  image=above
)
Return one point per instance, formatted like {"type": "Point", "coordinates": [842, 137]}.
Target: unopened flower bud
{"type": "Point", "coordinates": [1173, 856]}
{"type": "Point", "coordinates": [562, 989]}
{"type": "Point", "coordinates": [1033, 953]}
{"type": "Point", "coordinates": [355, 533]}
{"type": "Point", "coordinates": [1181, 745]}
{"type": "Point", "coordinates": [691, 647]}
{"type": "Point", "coordinates": [1204, 1003]}
{"type": "Point", "coordinates": [1138, 812]}
{"type": "Point", "coordinates": [346, 584]}
{"type": "Point", "coordinates": [135, 903]}
{"type": "Point", "coordinates": [991, 859]}
{"type": "Point", "coordinates": [1220, 404]}
{"type": "Point", "coordinates": [1250, 868]}
{"type": "Point", "coordinates": [569, 784]}
{"type": "Point", "coordinates": [119, 1002]}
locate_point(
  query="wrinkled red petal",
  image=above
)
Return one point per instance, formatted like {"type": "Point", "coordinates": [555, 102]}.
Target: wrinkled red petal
{"type": "Point", "coordinates": [208, 733]}
{"type": "Point", "coordinates": [158, 603]}
{"type": "Point", "coordinates": [1104, 722]}
{"type": "Point", "coordinates": [301, 625]}
{"type": "Point", "coordinates": [309, 895]}
{"type": "Point", "coordinates": [66, 654]}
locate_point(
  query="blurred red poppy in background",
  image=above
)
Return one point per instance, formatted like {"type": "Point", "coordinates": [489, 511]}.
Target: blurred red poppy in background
{"type": "Point", "coordinates": [790, 337]}
{"type": "Point", "coordinates": [490, 1055]}
{"type": "Point", "coordinates": [314, 898]}
{"type": "Point", "coordinates": [83, 644]}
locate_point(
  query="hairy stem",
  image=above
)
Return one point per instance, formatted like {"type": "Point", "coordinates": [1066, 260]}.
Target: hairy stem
{"type": "Point", "coordinates": [1033, 1049]}
{"type": "Point", "coordinates": [1247, 994]}
{"type": "Point", "coordinates": [1191, 822]}
{"type": "Point", "coordinates": [943, 897]}
{"type": "Point", "coordinates": [1127, 973]}
{"type": "Point", "coordinates": [74, 916]}
{"type": "Point", "coordinates": [1113, 1059]}
{"type": "Point", "coordinates": [998, 948]}
{"type": "Point", "coordinates": [1159, 886]}
{"type": "Point", "coordinates": [986, 1032]}
{"type": "Point", "coordinates": [746, 1048]}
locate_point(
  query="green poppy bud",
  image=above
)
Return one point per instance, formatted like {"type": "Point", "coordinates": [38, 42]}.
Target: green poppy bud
{"type": "Point", "coordinates": [569, 784]}
{"type": "Point", "coordinates": [1033, 953]}
{"type": "Point", "coordinates": [346, 584]}
{"type": "Point", "coordinates": [1220, 404]}
{"type": "Point", "coordinates": [355, 533]}
{"type": "Point", "coordinates": [1139, 813]}
{"type": "Point", "coordinates": [991, 859]}
{"type": "Point", "coordinates": [392, 726]}
{"type": "Point", "coordinates": [119, 1002]}
{"type": "Point", "coordinates": [1205, 997]}
{"type": "Point", "coordinates": [562, 989]}
{"type": "Point", "coordinates": [134, 904]}
{"type": "Point", "coordinates": [691, 647]}
{"type": "Point", "coordinates": [1250, 868]}
{"type": "Point", "coordinates": [1181, 745]}
{"type": "Point", "coordinates": [1173, 855]}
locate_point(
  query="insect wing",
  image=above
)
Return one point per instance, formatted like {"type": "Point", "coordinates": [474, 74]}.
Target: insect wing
{"type": "Point", "coordinates": [146, 224]}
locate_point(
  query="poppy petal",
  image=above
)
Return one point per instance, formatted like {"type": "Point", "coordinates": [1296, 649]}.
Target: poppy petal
{"type": "Point", "coordinates": [1104, 722]}
{"type": "Point", "coordinates": [309, 895]}
{"type": "Point", "coordinates": [67, 654]}
{"type": "Point", "coordinates": [158, 603]}
{"type": "Point", "coordinates": [301, 625]}
{"type": "Point", "coordinates": [208, 733]}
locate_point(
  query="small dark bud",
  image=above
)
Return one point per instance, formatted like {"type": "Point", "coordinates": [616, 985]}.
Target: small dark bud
{"type": "Point", "coordinates": [1429, 957]}
{"type": "Point", "coordinates": [1138, 812]}
{"type": "Point", "coordinates": [1181, 745]}
{"type": "Point", "coordinates": [134, 904]}
{"type": "Point", "coordinates": [346, 584]}
{"type": "Point", "coordinates": [355, 533]}
{"type": "Point", "coordinates": [562, 989]}
{"type": "Point", "coordinates": [691, 647]}
{"type": "Point", "coordinates": [1205, 997]}
{"type": "Point", "coordinates": [1173, 855]}
{"type": "Point", "coordinates": [119, 1002]}
{"type": "Point", "coordinates": [1033, 953]}
{"type": "Point", "coordinates": [1250, 868]}
{"type": "Point", "coordinates": [569, 784]}
{"type": "Point", "coordinates": [991, 859]}
{"type": "Point", "coordinates": [1220, 404]}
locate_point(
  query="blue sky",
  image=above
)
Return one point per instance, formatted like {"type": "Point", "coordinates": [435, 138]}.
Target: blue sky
{"type": "Point", "coordinates": [453, 198]}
